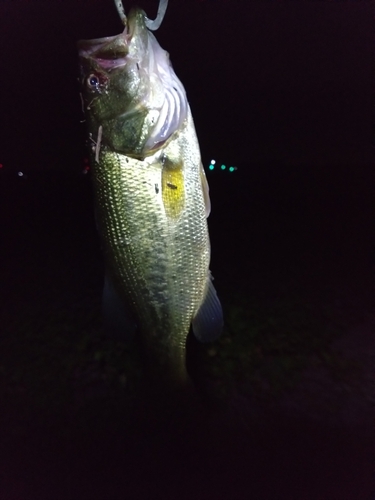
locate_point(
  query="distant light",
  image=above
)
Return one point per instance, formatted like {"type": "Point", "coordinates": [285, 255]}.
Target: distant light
{"type": "Point", "coordinates": [20, 174]}
{"type": "Point", "coordinates": [223, 167]}
{"type": "Point", "coordinates": [231, 169]}
{"type": "Point", "coordinates": [213, 162]}
{"type": "Point", "coordinates": [211, 167]}
{"type": "Point", "coordinates": [1, 165]}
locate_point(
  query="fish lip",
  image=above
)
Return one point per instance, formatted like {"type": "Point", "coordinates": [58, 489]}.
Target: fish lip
{"type": "Point", "coordinates": [99, 49]}
{"type": "Point", "coordinates": [110, 51]}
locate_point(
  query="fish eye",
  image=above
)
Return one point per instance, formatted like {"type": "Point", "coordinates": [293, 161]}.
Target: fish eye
{"type": "Point", "coordinates": [93, 82]}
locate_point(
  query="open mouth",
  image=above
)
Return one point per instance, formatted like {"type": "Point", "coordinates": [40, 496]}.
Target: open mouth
{"type": "Point", "coordinates": [109, 52]}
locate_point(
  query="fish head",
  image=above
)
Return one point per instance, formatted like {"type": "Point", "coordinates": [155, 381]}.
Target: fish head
{"type": "Point", "coordinates": [130, 90]}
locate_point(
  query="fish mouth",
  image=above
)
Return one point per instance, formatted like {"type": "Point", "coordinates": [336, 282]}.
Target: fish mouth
{"type": "Point", "coordinates": [110, 52]}
{"type": "Point", "coordinates": [101, 49]}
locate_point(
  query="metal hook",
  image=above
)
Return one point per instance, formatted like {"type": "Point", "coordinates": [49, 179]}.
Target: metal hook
{"type": "Point", "coordinates": [152, 25]}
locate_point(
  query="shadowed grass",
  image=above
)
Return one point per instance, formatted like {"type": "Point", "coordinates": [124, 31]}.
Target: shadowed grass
{"type": "Point", "coordinates": [266, 345]}
{"type": "Point", "coordinates": [64, 360]}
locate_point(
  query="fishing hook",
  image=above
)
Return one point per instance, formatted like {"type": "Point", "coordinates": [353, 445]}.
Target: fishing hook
{"type": "Point", "coordinates": [152, 25]}
{"type": "Point", "coordinates": [120, 10]}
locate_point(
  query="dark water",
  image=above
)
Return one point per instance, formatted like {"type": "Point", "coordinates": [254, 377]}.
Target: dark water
{"type": "Point", "coordinates": [313, 236]}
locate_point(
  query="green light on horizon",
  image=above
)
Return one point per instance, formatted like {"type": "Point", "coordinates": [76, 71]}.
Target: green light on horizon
{"type": "Point", "coordinates": [223, 167]}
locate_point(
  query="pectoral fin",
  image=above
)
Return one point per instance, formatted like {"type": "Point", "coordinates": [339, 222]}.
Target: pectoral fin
{"type": "Point", "coordinates": [173, 188]}
{"type": "Point", "coordinates": [117, 319]}
{"type": "Point", "coordinates": [208, 322]}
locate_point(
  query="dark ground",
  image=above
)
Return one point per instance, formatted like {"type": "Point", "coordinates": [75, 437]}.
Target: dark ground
{"type": "Point", "coordinates": [290, 382]}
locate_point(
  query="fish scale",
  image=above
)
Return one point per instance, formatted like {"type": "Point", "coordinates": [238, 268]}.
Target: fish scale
{"type": "Point", "coordinates": [162, 270]}
{"type": "Point", "coordinates": [151, 195]}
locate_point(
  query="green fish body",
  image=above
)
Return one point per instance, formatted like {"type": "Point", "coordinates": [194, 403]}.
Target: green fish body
{"type": "Point", "coordinates": [151, 193]}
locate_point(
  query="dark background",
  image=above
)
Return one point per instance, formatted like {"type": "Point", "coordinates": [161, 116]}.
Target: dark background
{"type": "Point", "coordinates": [284, 92]}
{"type": "Point", "coordinates": [267, 82]}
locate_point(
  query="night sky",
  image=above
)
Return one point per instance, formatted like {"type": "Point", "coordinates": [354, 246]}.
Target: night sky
{"type": "Point", "coordinates": [267, 82]}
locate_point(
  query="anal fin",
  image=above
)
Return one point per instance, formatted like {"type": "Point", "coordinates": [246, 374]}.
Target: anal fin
{"type": "Point", "coordinates": [208, 322]}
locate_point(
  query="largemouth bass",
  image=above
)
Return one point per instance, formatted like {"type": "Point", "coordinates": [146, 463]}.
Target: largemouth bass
{"type": "Point", "coordinates": [151, 193]}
